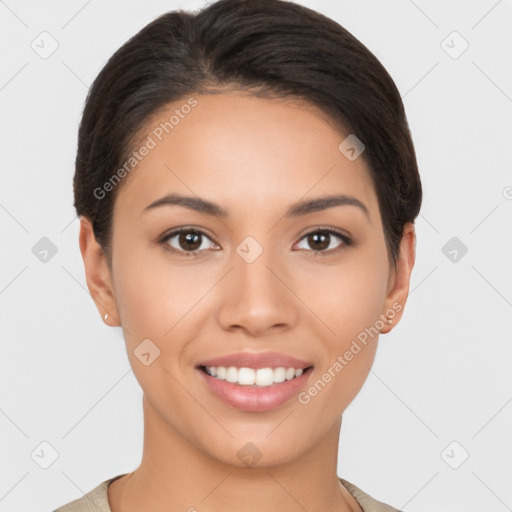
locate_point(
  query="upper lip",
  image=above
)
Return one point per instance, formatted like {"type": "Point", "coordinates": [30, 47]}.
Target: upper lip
{"type": "Point", "coordinates": [257, 360]}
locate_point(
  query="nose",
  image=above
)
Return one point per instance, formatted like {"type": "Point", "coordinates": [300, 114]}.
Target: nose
{"type": "Point", "coordinates": [257, 297]}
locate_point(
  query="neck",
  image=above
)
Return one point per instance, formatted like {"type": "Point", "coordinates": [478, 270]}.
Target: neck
{"type": "Point", "coordinates": [176, 475]}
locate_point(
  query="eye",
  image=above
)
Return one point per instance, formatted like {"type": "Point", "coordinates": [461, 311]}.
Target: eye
{"type": "Point", "coordinates": [321, 241]}
{"type": "Point", "coordinates": [191, 242]}
{"type": "Point", "coordinates": [187, 241]}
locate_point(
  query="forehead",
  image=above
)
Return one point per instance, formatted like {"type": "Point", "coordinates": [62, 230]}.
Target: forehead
{"type": "Point", "coordinates": [243, 152]}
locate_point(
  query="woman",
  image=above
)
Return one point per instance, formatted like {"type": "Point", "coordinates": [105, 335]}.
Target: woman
{"type": "Point", "coordinates": [247, 188]}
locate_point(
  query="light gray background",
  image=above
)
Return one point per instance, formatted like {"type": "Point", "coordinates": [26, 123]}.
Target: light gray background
{"type": "Point", "coordinates": [442, 375]}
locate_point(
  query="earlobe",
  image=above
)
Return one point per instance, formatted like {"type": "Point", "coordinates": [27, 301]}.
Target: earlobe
{"type": "Point", "coordinates": [398, 293]}
{"type": "Point", "coordinates": [97, 273]}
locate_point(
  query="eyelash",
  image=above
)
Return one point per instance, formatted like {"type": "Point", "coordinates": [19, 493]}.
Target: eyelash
{"type": "Point", "coordinates": [347, 241]}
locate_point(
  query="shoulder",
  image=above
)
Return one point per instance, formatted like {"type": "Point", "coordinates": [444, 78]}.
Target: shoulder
{"type": "Point", "coordinates": [367, 503]}
{"type": "Point", "coordinates": [96, 500]}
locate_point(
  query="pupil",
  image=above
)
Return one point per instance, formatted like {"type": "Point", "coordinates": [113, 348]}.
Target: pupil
{"type": "Point", "coordinates": [319, 238]}
{"type": "Point", "coordinates": [192, 239]}
{"type": "Point", "coordinates": [187, 239]}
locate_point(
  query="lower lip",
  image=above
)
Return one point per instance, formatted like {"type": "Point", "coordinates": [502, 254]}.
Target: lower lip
{"type": "Point", "coordinates": [255, 399]}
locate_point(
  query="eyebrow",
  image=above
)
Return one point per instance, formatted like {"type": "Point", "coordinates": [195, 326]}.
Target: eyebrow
{"type": "Point", "coordinates": [295, 210]}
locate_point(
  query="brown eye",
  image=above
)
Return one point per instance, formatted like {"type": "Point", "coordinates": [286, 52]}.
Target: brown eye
{"type": "Point", "coordinates": [319, 241]}
{"type": "Point", "coordinates": [323, 241]}
{"type": "Point", "coordinates": [187, 241]}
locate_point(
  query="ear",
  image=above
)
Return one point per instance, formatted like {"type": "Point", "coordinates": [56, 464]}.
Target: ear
{"type": "Point", "coordinates": [97, 273]}
{"type": "Point", "coordinates": [398, 288]}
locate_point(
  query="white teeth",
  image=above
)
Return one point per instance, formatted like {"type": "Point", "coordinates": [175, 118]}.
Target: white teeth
{"type": "Point", "coordinates": [246, 376]}
{"type": "Point", "coordinates": [231, 374]}
{"type": "Point", "coordinates": [250, 377]}
{"type": "Point", "coordinates": [279, 374]}
{"type": "Point", "coordinates": [264, 377]}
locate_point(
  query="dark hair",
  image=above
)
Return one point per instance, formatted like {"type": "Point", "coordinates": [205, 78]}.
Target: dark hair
{"type": "Point", "coordinates": [269, 48]}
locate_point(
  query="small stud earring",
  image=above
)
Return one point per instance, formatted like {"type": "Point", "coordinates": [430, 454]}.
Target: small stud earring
{"type": "Point", "coordinates": [105, 317]}
{"type": "Point", "coordinates": [389, 321]}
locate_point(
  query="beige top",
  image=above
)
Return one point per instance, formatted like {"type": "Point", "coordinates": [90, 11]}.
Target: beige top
{"type": "Point", "coordinates": [96, 500]}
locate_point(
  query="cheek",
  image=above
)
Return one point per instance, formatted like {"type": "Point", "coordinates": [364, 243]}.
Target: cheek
{"type": "Point", "coordinates": [348, 298]}
{"type": "Point", "coordinates": [153, 294]}
{"type": "Point", "coordinates": [335, 385]}
{"type": "Point", "coordinates": [349, 303]}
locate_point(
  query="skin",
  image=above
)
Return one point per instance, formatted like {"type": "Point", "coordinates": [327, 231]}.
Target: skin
{"type": "Point", "coordinates": [254, 157]}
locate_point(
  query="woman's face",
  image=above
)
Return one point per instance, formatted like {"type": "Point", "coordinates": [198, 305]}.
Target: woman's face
{"type": "Point", "coordinates": [261, 277]}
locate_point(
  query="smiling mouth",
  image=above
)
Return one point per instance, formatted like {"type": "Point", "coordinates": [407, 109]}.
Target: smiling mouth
{"type": "Point", "coordinates": [252, 377]}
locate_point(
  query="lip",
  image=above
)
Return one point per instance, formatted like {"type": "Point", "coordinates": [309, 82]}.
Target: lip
{"type": "Point", "coordinates": [253, 398]}
{"type": "Point", "coordinates": [256, 360]}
